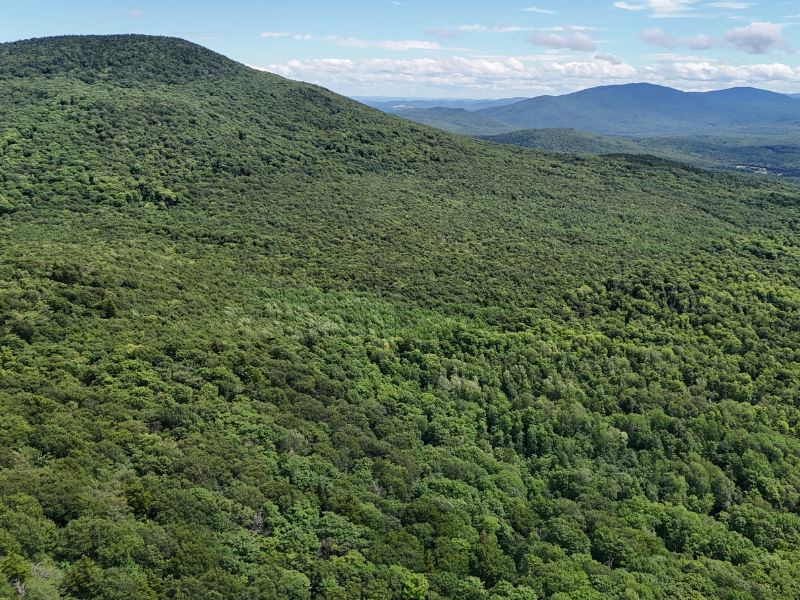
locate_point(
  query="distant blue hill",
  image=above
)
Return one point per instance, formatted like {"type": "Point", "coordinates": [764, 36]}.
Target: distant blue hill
{"type": "Point", "coordinates": [646, 109]}
{"type": "Point", "coordinates": [399, 105]}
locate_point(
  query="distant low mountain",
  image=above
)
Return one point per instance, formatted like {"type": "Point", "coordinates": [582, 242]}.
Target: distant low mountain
{"type": "Point", "coordinates": [400, 105]}
{"type": "Point", "coordinates": [644, 109]}
{"type": "Point", "coordinates": [455, 120]}
{"type": "Point", "coordinates": [634, 110]}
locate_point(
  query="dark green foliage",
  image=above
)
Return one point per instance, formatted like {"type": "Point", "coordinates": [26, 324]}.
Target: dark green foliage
{"type": "Point", "coordinates": [259, 341]}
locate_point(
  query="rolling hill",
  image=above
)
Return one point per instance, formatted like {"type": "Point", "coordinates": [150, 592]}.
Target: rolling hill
{"type": "Point", "coordinates": [260, 341]}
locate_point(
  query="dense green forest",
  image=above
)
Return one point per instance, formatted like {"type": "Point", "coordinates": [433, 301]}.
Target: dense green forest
{"type": "Point", "coordinates": [777, 153]}
{"type": "Point", "coordinates": [259, 341]}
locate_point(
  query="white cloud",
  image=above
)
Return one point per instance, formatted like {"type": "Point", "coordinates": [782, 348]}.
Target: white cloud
{"type": "Point", "coordinates": [670, 8]}
{"type": "Point", "coordinates": [538, 10]}
{"type": "Point", "coordinates": [532, 74]}
{"type": "Point", "coordinates": [527, 75]}
{"type": "Point", "coordinates": [274, 35]}
{"type": "Point", "coordinates": [477, 28]}
{"type": "Point", "coordinates": [395, 45]}
{"type": "Point", "coordinates": [629, 6]}
{"type": "Point", "coordinates": [660, 8]}
{"type": "Point", "coordinates": [758, 38]}
{"type": "Point", "coordinates": [731, 5]}
{"type": "Point", "coordinates": [609, 58]}
{"type": "Point", "coordinates": [711, 75]}
{"type": "Point", "coordinates": [571, 40]}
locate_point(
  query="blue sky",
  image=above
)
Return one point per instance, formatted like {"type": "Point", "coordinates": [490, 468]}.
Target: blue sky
{"type": "Point", "coordinates": [464, 48]}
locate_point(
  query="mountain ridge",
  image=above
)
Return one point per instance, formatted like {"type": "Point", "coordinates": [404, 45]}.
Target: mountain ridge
{"type": "Point", "coordinates": [638, 109]}
{"type": "Point", "coordinates": [647, 109]}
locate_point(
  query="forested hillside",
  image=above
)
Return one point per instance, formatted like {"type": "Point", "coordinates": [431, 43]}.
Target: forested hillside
{"type": "Point", "coordinates": [259, 341]}
{"type": "Point", "coordinates": [776, 153]}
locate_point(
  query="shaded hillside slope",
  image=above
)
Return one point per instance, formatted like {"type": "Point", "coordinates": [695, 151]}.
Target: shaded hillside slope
{"type": "Point", "coordinates": [259, 341]}
{"type": "Point", "coordinates": [567, 141]}
{"type": "Point", "coordinates": [776, 154]}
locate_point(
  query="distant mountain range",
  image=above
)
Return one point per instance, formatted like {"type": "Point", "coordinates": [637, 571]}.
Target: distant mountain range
{"type": "Point", "coordinates": [639, 109]}
{"type": "Point", "coordinates": [744, 129]}
{"type": "Point", "coordinates": [455, 120]}
{"type": "Point", "coordinates": [399, 105]}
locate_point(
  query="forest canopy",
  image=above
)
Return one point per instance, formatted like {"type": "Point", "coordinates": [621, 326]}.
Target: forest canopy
{"type": "Point", "coordinates": [259, 341]}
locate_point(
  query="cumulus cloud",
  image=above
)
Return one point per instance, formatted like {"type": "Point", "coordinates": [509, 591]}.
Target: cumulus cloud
{"type": "Point", "coordinates": [609, 58]}
{"type": "Point", "coordinates": [530, 73]}
{"type": "Point", "coordinates": [569, 40]}
{"type": "Point", "coordinates": [711, 74]}
{"type": "Point", "coordinates": [659, 37]}
{"type": "Point", "coordinates": [527, 75]}
{"type": "Point", "coordinates": [759, 37]}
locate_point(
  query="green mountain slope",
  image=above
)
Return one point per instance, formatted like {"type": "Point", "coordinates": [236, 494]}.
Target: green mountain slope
{"type": "Point", "coordinates": [260, 341]}
{"type": "Point", "coordinates": [567, 141]}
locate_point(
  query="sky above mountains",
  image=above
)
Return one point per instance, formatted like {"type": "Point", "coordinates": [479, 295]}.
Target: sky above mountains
{"type": "Point", "coordinates": [463, 48]}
